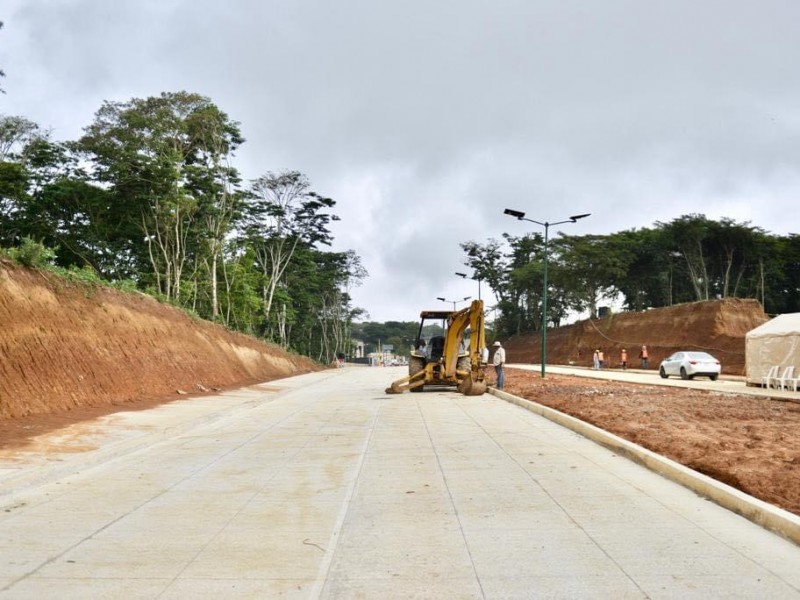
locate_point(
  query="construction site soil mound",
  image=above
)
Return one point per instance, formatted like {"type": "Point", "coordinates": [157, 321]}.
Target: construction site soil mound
{"type": "Point", "coordinates": [73, 350]}
{"type": "Point", "coordinates": [715, 326]}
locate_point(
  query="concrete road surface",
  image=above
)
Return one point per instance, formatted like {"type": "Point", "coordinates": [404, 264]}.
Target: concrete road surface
{"type": "Point", "coordinates": [322, 486]}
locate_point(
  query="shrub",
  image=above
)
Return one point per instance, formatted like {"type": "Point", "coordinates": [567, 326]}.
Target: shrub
{"type": "Point", "coordinates": [32, 254]}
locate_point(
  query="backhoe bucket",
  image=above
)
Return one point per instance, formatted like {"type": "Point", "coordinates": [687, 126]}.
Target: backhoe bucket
{"type": "Point", "coordinates": [468, 387]}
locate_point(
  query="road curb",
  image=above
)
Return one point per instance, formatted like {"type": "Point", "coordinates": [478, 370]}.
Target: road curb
{"type": "Point", "coordinates": [759, 512]}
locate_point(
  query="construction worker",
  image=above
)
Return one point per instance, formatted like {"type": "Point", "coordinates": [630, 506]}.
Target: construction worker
{"type": "Point", "coordinates": [644, 356]}
{"type": "Point", "coordinates": [498, 360]}
{"type": "Point", "coordinates": [623, 359]}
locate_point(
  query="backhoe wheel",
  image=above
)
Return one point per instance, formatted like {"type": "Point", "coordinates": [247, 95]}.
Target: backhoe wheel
{"type": "Point", "coordinates": [415, 365]}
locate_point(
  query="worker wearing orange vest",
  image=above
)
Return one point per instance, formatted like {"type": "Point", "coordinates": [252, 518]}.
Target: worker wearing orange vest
{"type": "Point", "coordinates": [643, 355]}
{"type": "Point", "coordinates": [623, 359]}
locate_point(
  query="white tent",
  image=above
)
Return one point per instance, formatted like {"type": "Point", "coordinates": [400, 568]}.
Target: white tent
{"type": "Point", "coordinates": [776, 342]}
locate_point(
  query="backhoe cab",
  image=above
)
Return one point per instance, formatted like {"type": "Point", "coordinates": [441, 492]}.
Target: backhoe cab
{"type": "Point", "coordinates": [452, 359]}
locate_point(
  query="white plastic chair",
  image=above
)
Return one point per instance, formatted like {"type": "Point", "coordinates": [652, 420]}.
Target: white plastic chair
{"type": "Point", "coordinates": [769, 379]}
{"type": "Point", "coordinates": [783, 380]}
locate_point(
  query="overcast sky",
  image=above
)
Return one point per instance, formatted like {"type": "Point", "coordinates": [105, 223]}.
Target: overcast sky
{"type": "Point", "coordinates": [425, 119]}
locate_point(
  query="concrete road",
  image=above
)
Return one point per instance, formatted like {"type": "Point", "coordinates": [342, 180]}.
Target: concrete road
{"type": "Point", "coordinates": [322, 486]}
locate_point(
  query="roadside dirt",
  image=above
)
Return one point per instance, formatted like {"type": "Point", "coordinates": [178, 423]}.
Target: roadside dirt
{"type": "Point", "coordinates": [749, 443]}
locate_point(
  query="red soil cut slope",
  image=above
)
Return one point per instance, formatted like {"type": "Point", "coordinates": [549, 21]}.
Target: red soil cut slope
{"type": "Point", "coordinates": [65, 347]}
{"type": "Point", "coordinates": [715, 326]}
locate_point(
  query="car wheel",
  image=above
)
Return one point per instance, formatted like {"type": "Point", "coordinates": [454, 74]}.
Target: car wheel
{"type": "Point", "coordinates": [683, 374]}
{"type": "Point", "coordinates": [663, 373]}
{"type": "Point", "coordinates": [713, 377]}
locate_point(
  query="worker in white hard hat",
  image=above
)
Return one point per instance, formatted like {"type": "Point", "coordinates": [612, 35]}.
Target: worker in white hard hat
{"type": "Point", "coordinates": [498, 361]}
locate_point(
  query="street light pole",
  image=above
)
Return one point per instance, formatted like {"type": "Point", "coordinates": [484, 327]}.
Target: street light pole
{"type": "Point", "coordinates": [520, 216]}
{"type": "Point", "coordinates": [464, 276]}
{"type": "Point", "coordinates": [454, 301]}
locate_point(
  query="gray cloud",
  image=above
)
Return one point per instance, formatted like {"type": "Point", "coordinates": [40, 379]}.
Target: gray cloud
{"type": "Point", "coordinates": [425, 119]}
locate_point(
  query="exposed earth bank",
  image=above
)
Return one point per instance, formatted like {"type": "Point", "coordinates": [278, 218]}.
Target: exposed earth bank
{"type": "Point", "coordinates": [68, 348]}
{"type": "Point", "coordinates": [716, 326]}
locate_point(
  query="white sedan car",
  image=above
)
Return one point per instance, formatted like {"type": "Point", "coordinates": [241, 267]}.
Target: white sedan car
{"type": "Point", "coordinates": [689, 364]}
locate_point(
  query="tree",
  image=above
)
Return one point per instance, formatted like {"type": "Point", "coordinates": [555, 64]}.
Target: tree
{"type": "Point", "coordinates": [586, 269]}
{"type": "Point", "coordinates": [162, 157]}
{"type": "Point", "coordinates": [646, 281]}
{"type": "Point", "coordinates": [13, 191]}
{"type": "Point", "coordinates": [488, 263]}
{"type": "Point", "coordinates": [284, 214]}
{"type": "Point", "coordinates": [220, 201]}
{"type": "Point", "coordinates": [778, 273]}
{"type": "Point", "coordinates": [15, 134]}
{"type": "Point", "coordinates": [400, 334]}
{"type": "Point", "coordinates": [687, 235]}
{"type": "Point", "coordinates": [316, 302]}
{"type": "Point", "coordinates": [56, 205]}
{"type": "Point", "coordinates": [730, 246]}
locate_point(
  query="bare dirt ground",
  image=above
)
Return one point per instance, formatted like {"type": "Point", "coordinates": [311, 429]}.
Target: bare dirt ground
{"type": "Point", "coordinates": [750, 443]}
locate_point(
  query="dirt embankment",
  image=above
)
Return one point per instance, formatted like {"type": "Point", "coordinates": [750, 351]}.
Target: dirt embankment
{"type": "Point", "coordinates": [716, 326]}
{"type": "Point", "coordinates": [68, 346]}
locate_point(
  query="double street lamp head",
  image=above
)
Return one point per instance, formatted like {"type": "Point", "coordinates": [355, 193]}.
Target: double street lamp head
{"type": "Point", "coordinates": [453, 301]}
{"type": "Point", "coordinates": [521, 216]}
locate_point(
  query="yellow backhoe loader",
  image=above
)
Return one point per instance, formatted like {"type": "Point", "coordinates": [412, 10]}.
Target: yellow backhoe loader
{"type": "Point", "coordinates": [449, 359]}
